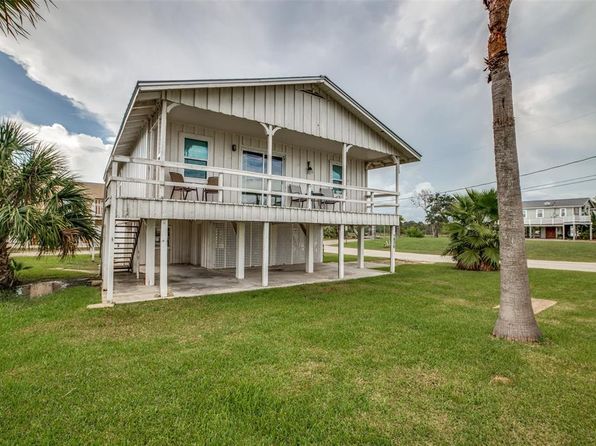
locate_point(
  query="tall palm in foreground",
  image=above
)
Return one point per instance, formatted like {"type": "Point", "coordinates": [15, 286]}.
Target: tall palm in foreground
{"type": "Point", "coordinates": [15, 14]}
{"type": "Point", "coordinates": [474, 231]}
{"type": "Point", "coordinates": [40, 200]}
{"type": "Point", "coordinates": [516, 319]}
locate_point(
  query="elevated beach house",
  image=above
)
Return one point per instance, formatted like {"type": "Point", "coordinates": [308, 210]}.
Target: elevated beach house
{"type": "Point", "coordinates": [213, 183]}
{"type": "Point", "coordinates": [562, 218]}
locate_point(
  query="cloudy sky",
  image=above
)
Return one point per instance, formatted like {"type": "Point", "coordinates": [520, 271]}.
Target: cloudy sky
{"type": "Point", "coordinates": [417, 65]}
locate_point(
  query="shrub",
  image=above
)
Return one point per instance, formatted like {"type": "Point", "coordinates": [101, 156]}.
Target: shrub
{"type": "Point", "coordinates": [414, 232]}
{"type": "Point", "coordinates": [474, 231]}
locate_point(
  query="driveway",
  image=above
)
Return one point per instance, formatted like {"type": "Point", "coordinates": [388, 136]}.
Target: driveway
{"type": "Point", "coordinates": [331, 247]}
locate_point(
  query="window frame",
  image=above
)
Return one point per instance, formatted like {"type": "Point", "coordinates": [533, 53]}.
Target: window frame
{"type": "Point", "coordinates": [245, 148]}
{"type": "Point", "coordinates": [541, 212]}
{"type": "Point", "coordinates": [336, 191]}
{"type": "Point", "coordinates": [562, 212]}
{"type": "Point", "coordinates": [525, 213]}
{"type": "Point", "coordinates": [210, 148]}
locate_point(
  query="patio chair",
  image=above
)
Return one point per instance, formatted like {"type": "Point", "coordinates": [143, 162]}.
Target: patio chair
{"type": "Point", "coordinates": [328, 197]}
{"type": "Point", "coordinates": [176, 177]}
{"type": "Point", "coordinates": [211, 181]}
{"type": "Point", "coordinates": [297, 190]}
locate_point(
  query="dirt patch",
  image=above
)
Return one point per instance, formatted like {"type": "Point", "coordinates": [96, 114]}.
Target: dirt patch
{"type": "Point", "coordinates": [539, 305]}
{"type": "Point", "coordinates": [499, 379]}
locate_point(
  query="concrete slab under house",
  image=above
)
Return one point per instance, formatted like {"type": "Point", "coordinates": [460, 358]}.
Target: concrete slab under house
{"type": "Point", "coordinates": [225, 185]}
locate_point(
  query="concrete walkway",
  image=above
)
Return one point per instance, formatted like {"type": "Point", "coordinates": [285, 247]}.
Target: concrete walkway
{"type": "Point", "coordinates": [331, 247]}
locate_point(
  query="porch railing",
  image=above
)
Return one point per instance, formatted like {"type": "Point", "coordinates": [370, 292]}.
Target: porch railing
{"type": "Point", "coordinates": [577, 219]}
{"type": "Point", "coordinates": [368, 200]}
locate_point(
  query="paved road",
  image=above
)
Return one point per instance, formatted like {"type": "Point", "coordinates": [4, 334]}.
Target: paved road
{"type": "Point", "coordinates": [331, 247]}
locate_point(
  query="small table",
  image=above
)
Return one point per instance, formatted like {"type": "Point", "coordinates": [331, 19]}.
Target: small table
{"type": "Point", "coordinates": [317, 194]}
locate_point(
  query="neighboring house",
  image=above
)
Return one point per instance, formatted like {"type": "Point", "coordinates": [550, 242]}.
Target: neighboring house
{"type": "Point", "coordinates": [95, 191]}
{"type": "Point", "coordinates": [558, 218]}
{"type": "Point", "coordinates": [239, 174]}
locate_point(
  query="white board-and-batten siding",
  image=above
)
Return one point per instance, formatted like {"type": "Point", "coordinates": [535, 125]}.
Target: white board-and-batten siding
{"type": "Point", "coordinates": [213, 244]}
{"type": "Point", "coordinates": [296, 159]}
{"type": "Point", "coordinates": [290, 107]}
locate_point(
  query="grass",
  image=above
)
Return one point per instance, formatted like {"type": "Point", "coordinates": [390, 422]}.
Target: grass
{"type": "Point", "coordinates": [578, 251]}
{"type": "Point", "coordinates": [55, 268]}
{"type": "Point", "coordinates": [404, 358]}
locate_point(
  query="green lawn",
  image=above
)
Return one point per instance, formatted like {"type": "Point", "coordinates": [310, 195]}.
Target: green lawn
{"type": "Point", "coordinates": [53, 267]}
{"type": "Point", "coordinates": [578, 251]}
{"type": "Point", "coordinates": [404, 358]}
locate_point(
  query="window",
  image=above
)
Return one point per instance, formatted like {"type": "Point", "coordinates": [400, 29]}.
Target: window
{"type": "Point", "coordinates": [196, 152]}
{"type": "Point", "coordinates": [525, 213]}
{"type": "Point", "coordinates": [563, 212]}
{"type": "Point", "coordinates": [539, 213]}
{"type": "Point", "coordinates": [336, 176]}
{"type": "Point", "coordinates": [257, 162]}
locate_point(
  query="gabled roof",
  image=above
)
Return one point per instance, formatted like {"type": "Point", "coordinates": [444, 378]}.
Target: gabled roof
{"type": "Point", "coordinates": [556, 203]}
{"type": "Point", "coordinates": [323, 82]}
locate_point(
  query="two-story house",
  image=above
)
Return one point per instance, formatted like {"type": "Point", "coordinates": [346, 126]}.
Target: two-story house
{"type": "Point", "coordinates": [209, 179]}
{"type": "Point", "coordinates": [562, 218]}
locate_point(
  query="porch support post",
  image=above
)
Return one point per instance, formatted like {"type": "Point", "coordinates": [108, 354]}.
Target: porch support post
{"type": "Point", "coordinates": [265, 256]}
{"type": "Point", "coordinates": [392, 250]}
{"type": "Point", "coordinates": [108, 270]}
{"type": "Point", "coordinates": [344, 173]}
{"type": "Point", "coordinates": [340, 252]}
{"type": "Point", "coordinates": [310, 249]}
{"type": "Point", "coordinates": [563, 233]}
{"type": "Point", "coordinates": [162, 146]}
{"type": "Point", "coordinates": [111, 231]}
{"type": "Point", "coordinates": [150, 252]}
{"type": "Point", "coordinates": [270, 131]}
{"type": "Point", "coordinates": [574, 229]}
{"type": "Point", "coordinates": [590, 231]}
{"type": "Point", "coordinates": [361, 247]}
{"type": "Point", "coordinates": [240, 240]}
{"type": "Point", "coordinates": [163, 259]}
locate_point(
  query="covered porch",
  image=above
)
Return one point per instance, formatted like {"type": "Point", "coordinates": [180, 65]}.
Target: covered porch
{"type": "Point", "coordinates": [189, 280]}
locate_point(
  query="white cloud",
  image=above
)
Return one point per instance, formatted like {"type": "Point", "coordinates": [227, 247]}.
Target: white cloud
{"type": "Point", "coordinates": [86, 154]}
{"type": "Point", "coordinates": [416, 65]}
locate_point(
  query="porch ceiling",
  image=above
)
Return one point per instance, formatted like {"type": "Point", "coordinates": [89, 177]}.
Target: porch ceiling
{"type": "Point", "coordinates": [207, 118]}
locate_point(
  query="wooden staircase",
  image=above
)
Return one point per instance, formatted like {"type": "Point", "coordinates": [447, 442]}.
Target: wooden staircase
{"type": "Point", "coordinates": [126, 237]}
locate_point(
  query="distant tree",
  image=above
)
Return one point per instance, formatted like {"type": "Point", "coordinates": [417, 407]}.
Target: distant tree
{"type": "Point", "coordinates": [474, 231]}
{"type": "Point", "coordinates": [15, 14]}
{"type": "Point", "coordinates": [436, 211]}
{"type": "Point", "coordinates": [516, 319]}
{"type": "Point", "coordinates": [434, 205]}
{"type": "Point", "coordinates": [40, 200]}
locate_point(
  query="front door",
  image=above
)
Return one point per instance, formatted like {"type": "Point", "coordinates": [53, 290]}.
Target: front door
{"type": "Point", "coordinates": [551, 232]}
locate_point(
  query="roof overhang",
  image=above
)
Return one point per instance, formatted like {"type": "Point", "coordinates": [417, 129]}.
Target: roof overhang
{"type": "Point", "coordinates": [145, 94]}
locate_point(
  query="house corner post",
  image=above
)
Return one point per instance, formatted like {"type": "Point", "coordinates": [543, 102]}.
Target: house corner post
{"type": "Point", "coordinates": [361, 247]}
{"type": "Point", "coordinates": [111, 233]}
{"type": "Point", "coordinates": [392, 250]}
{"type": "Point", "coordinates": [163, 258]}
{"type": "Point", "coordinates": [310, 249]}
{"type": "Point", "coordinates": [265, 256]}
{"type": "Point", "coordinates": [240, 244]}
{"type": "Point", "coordinates": [150, 253]}
{"type": "Point", "coordinates": [340, 252]}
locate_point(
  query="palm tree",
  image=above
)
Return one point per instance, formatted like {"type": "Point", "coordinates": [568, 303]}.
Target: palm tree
{"type": "Point", "coordinates": [40, 200]}
{"type": "Point", "coordinates": [14, 14]}
{"type": "Point", "coordinates": [474, 231]}
{"type": "Point", "coordinates": [516, 319]}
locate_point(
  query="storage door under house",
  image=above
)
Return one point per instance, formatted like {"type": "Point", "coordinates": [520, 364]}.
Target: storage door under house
{"type": "Point", "coordinates": [286, 247]}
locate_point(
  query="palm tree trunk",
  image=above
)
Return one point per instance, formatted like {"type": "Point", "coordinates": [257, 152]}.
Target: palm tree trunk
{"type": "Point", "coordinates": [6, 272]}
{"type": "Point", "coordinates": [516, 319]}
